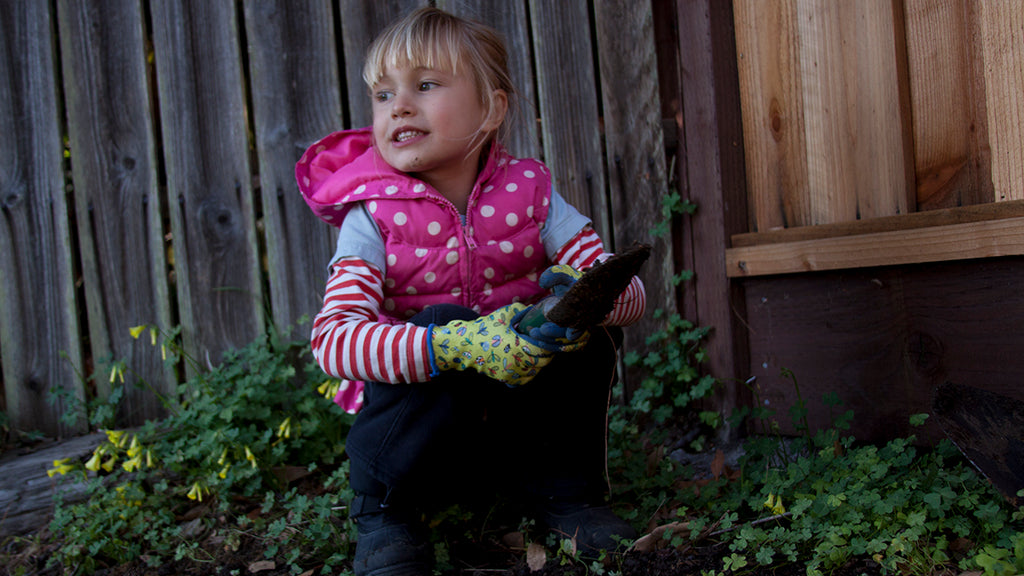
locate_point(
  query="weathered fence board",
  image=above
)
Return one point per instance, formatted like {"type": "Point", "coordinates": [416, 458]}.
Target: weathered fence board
{"type": "Point", "coordinates": [568, 103]}
{"type": "Point", "coordinates": [38, 320]}
{"type": "Point", "coordinates": [296, 99]}
{"type": "Point", "coordinates": [715, 182]}
{"type": "Point", "coordinates": [114, 169]}
{"type": "Point", "coordinates": [635, 149]}
{"type": "Point", "coordinates": [209, 184]}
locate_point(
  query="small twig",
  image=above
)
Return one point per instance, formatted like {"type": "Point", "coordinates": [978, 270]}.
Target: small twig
{"type": "Point", "coordinates": [753, 523]}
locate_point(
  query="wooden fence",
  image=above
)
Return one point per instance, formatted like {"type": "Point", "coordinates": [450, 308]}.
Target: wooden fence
{"type": "Point", "coordinates": [884, 247]}
{"type": "Point", "coordinates": [147, 152]}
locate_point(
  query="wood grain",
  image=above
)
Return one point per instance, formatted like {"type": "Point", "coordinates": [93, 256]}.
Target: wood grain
{"type": "Point", "coordinates": [973, 240]}
{"type": "Point", "coordinates": [568, 102]}
{"type": "Point", "coordinates": [715, 182]}
{"type": "Point", "coordinates": [1002, 37]}
{"type": "Point", "coordinates": [774, 134]}
{"type": "Point", "coordinates": [635, 150]}
{"type": "Point", "coordinates": [117, 199]}
{"type": "Point", "coordinates": [209, 182]}
{"type": "Point", "coordinates": [296, 100]}
{"type": "Point", "coordinates": [882, 339]}
{"type": "Point", "coordinates": [40, 347]}
{"type": "Point", "coordinates": [947, 89]}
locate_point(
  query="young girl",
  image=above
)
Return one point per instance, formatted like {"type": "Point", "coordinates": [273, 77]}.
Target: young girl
{"type": "Point", "coordinates": [444, 241]}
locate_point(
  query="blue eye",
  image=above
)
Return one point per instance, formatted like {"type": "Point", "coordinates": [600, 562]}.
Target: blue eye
{"type": "Point", "coordinates": [382, 96]}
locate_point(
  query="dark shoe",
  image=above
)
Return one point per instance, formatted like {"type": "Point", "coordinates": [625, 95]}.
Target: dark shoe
{"type": "Point", "coordinates": [594, 528]}
{"type": "Point", "coordinates": [390, 546]}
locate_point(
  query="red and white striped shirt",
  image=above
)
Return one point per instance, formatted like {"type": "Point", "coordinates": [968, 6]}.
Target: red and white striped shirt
{"type": "Point", "coordinates": [350, 343]}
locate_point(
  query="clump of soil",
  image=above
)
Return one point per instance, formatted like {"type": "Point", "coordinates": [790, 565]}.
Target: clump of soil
{"type": "Point", "coordinates": [593, 296]}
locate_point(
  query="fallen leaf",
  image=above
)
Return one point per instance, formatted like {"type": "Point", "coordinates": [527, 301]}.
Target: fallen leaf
{"type": "Point", "coordinates": [718, 464]}
{"type": "Point", "coordinates": [262, 565]}
{"type": "Point", "coordinates": [536, 557]}
{"type": "Point", "coordinates": [514, 540]}
{"type": "Point", "coordinates": [288, 474]}
{"type": "Point", "coordinates": [656, 539]}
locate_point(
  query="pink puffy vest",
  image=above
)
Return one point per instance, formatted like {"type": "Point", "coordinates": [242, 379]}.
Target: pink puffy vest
{"type": "Point", "coordinates": [432, 258]}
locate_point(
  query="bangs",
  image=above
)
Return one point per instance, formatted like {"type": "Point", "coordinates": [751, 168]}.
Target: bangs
{"type": "Point", "coordinates": [423, 44]}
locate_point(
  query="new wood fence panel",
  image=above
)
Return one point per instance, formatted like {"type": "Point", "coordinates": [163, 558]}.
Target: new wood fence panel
{"type": "Point", "coordinates": [117, 200]}
{"type": "Point", "coordinates": [202, 113]}
{"type": "Point", "coordinates": [361, 22]}
{"type": "Point", "coordinates": [851, 103]}
{"type": "Point", "coordinates": [1002, 34]}
{"type": "Point", "coordinates": [39, 341]}
{"type": "Point", "coordinates": [851, 91]}
{"type": "Point", "coordinates": [296, 96]}
{"type": "Point", "coordinates": [635, 147]}
{"type": "Point", "coordinates": [568, 102]}
{"type": "Point", "coordinates": [947, 87]}
{"type": "Point", "coordinates": [774, 134]}
{"type": "Point", "coordinates": [511, 20]}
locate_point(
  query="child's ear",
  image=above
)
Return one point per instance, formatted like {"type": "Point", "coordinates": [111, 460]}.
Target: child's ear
{"type": "Point", "coordinates": [499, 107]}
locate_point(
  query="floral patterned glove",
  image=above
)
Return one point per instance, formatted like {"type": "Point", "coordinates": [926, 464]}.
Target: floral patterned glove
{"type": "Point", "coordinates": [490, 346]}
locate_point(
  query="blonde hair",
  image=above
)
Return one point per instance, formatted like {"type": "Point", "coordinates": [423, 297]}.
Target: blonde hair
{"type": "Point", "coordinates": [432, 38]}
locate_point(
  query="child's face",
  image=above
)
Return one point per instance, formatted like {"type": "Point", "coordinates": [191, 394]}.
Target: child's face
{"type": "Point", "coordinates": [429, 122]}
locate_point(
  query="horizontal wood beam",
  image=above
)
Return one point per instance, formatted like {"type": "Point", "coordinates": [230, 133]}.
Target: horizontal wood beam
{"type": "Point", "coordinates": [925, 219]}
{"type": "Point", "coordinates": [971, 240]}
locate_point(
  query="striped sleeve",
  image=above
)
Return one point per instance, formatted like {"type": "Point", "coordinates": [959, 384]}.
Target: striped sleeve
{"type": "Point", "coordinates": [581, 253]}
{"type": "Point", "coordinates": [350, 343]}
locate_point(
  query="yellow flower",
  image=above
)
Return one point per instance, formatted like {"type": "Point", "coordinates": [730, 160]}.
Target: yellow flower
{"type": "Point", "coordinates": [136, 330]}
{"type": "Point", "coordinates": [223, 457]}
{"type": "Point", "coordinates": [149, 459]}
{"type": "Point", "coordinates": [329, 388]}
{"type": "Point", "coordinates": [224, 471]}
{"type": "Point", "coordinates": [152, 336]}
{"type": "Point", "coordinates": [93, 463]}
{"type": "Point", "coordinates": [250, 457]}
{"type": "Point", "coordinates": [285, 429]}
{"type": "Point", "coordinates": [196, 493]}
{"type": "Point", "coordinates": [774, 503]}
{"type": "Point", "coordinates": [62, 467]}
{"type": "Point", "coordinates": [132, 464]}
{"type": "Point", "coordinates": [116, 437]}
{"type": "Point", "coordinates": [135, 449]}
{"type": "Point", "coordinates": [109, 464]}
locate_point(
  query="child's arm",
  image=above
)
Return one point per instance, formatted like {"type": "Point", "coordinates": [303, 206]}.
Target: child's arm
{"type": "Point", "coordinates": [348, 341]}
{"type": "Point", "coordinates": [581, 252]}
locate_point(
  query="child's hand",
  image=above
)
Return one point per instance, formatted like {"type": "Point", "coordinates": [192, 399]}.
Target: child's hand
{"type": "Point", "coordinates": [490, 346]}
{"type": "Point", "coordinates": [559, 278]}
{"type": "Point", "coordinates": [557, 338]}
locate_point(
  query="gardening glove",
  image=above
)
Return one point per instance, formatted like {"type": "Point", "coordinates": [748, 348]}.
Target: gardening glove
{"type": "Point", "coordinates": [558, 278]}
{"type": "Point", "coordinates": [488, 345]}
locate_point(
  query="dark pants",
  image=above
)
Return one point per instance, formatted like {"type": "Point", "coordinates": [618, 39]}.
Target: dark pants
{"type": "Point", "coordinates": [464, 432]}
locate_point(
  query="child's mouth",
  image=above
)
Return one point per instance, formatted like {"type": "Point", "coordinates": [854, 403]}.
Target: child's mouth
{"type": "Point", "coordinates": [406, 135]}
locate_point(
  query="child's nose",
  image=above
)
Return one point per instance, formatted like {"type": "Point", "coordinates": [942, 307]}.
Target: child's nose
{"type": "Point", "coordinates": [401, 107]}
